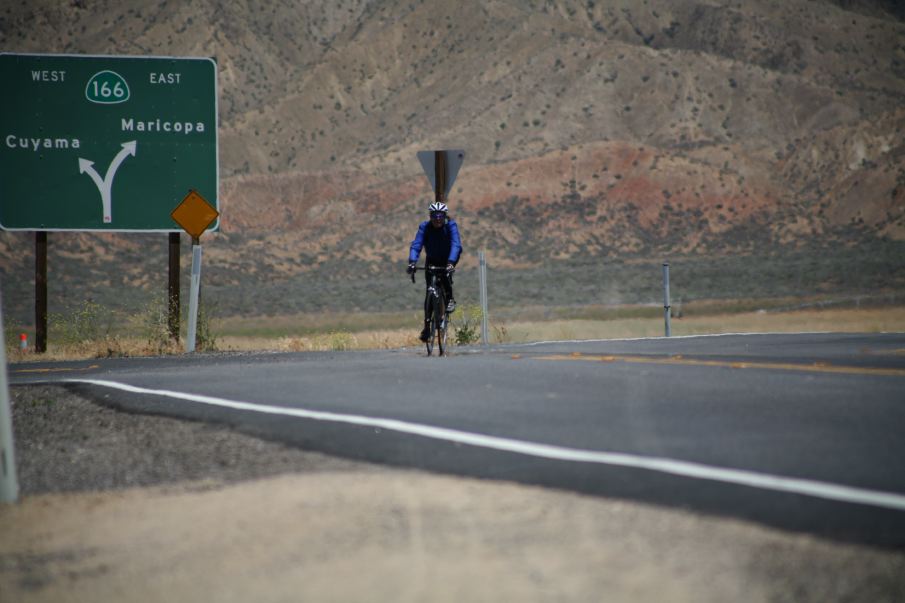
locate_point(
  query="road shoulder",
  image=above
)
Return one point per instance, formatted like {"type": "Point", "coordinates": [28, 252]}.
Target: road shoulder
{"type": "Point", "coordinates": [118, 506]}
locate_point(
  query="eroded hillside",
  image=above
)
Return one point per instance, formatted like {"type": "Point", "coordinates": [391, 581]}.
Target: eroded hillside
{"type": "Point", "coordinates": [592, 129]}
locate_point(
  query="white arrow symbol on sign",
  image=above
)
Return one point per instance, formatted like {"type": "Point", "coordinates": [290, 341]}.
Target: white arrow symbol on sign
{"type": "Point", "coordinates": [106, 185]}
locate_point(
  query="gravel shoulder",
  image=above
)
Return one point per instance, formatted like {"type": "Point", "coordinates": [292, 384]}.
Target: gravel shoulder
{"type": "Point", "coordinates": [117, 506]}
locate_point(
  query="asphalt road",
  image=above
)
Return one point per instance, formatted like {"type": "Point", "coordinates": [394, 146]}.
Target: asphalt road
{"type": "Point", "coordinates": [799, 431]}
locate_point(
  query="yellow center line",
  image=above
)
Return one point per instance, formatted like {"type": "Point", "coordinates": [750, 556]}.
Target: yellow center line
{"type": "Point", "coordinates": [818, 367]}
{"type": "Point", "coordinates": [56, 369]}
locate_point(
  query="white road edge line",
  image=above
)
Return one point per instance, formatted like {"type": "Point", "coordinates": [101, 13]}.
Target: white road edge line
{"type": "Point", "coordinates": [698, 335]}
{"type": "Point", "coordinates": [674, 337]}
{"type": "Point", "coordinates": [664, 465]}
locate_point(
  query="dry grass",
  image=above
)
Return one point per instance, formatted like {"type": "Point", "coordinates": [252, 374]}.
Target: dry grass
{"type": "Point", "coordinates": [867, 320]}
{"type": "Point", "coordinates": [333, 341]}
{"type": "Point", "coordinates": [313, 323]}
{"type": "Point", "coordinates": [107, 347]}
{"type": "Point", "coordinates": [872, 320]}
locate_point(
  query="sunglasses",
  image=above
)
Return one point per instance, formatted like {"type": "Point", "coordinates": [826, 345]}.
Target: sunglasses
{"type": "Point", "coordinates": [438, 216]}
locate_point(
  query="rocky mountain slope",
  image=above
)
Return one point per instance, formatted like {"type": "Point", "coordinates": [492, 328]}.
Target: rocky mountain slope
{"type": "Point", "coordinates": [593, 129]}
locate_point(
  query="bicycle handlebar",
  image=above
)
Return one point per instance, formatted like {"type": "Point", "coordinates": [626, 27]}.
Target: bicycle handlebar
{"type": "Point", "coordinates": [431, 268]}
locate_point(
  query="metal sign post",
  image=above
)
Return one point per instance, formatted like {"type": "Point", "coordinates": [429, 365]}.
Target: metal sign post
{"type": "Point", "coordinates": [440, 190]}
{"type": "Point", "coordinates": [482, 285]}
{"type": "Point", "coordinates": [666, 306]}
{"type": "Point", "coordinates": [195, 215]}
{"type": "Point", "coordinates": [9, 485]}
{"type": "Point", "coordinates": [194, 292]}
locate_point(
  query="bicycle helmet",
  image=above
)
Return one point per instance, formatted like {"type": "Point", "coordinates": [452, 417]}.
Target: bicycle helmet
{"type": "Point", "coordinates": [438, 206]}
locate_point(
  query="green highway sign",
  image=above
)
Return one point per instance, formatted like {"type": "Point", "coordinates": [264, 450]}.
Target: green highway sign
{"type": "Point", "coordinates": [105, 143]}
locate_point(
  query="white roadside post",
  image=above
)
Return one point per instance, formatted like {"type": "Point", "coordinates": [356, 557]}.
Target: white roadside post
{"type": "Point", "coordinates": [193, 297]}
{"type": "Point", "coordinates": [666, 297]}
{"type": "Point", "coordinates": [9, 486]}
{"type": "Point", "coordinates": [194, 215]}
{"type": "Point", "coordinates": [482, 284]}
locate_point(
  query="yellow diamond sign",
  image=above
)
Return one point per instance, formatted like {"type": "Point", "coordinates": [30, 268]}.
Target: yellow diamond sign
{"type": "Point", "coordinates": [194, 214]}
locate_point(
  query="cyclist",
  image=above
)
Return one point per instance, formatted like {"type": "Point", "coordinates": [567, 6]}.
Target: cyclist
{"type": "Point", "coordinates": [439, 237]}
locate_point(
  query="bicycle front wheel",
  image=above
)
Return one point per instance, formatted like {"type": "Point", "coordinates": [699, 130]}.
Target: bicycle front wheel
{"type": "Point", "coordinates": [442, 328]}
{"type": "Point", "coordinates": [441, 323]}
{"type": "Point", "coordinates": [437, 326]}
{"type": "Point", "coordinates": [429, 344]}
{"type": "Point", "coordinates": [441, 340]}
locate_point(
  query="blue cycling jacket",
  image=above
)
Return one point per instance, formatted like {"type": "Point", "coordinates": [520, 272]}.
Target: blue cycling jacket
{"type": "Point", "coordinates": [441, 245]}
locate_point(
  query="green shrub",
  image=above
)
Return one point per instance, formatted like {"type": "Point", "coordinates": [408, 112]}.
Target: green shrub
{"type": "Point", "coordinates": [467, 328]}
{"type": "Point", "coordinates": [205, 338]}
{"type": "Point", "coordinates": [336, 341]}
{"type": "Point", "coordinates": [88, 322]}
{"type": "Point", "coordinates": [155, 325]}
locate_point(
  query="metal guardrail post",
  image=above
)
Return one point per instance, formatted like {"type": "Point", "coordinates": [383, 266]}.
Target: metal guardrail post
{"type": "Point", "coordinates": [193, 298]}
{"type": "Point", "coordinates": [9, 485]}
{"type": "Point", "coordinates": [482, 275]}
{"type": "Point", "coordinates": [666, 305]}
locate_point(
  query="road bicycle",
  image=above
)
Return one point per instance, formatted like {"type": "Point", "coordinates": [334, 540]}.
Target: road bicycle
{"type": "Point", "coordinates": [435, 304]}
